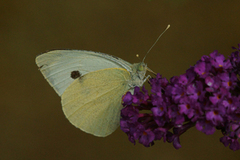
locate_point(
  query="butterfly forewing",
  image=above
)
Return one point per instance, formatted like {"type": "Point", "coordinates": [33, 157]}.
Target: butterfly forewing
{"type": "Point", "coordinates": [57, 66]}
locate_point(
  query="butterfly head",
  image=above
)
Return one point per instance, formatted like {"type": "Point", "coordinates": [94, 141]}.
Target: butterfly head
{"type": "Point", "coordinates": [138, 74]}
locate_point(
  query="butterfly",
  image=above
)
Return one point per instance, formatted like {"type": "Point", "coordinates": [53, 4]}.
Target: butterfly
{"type": "Point", "coordinates": [91, 86]}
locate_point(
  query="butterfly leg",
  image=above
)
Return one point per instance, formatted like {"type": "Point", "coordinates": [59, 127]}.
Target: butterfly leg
{"type": "Point", "coordinates": [147, 78]}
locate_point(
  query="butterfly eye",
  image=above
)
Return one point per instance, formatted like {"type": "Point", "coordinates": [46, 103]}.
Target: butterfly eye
{"type": "Point", "coordinates": [140, 67]}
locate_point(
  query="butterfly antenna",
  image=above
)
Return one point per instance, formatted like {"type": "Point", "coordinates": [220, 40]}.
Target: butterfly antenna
{"type": "Point", "coordinates": [137, 55]}
{"type": "Point", "coordinates": [156, 41]}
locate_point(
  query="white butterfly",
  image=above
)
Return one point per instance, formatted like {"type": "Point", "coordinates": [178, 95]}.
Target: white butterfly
{"type": "Point", "coordinates": [91, 86]}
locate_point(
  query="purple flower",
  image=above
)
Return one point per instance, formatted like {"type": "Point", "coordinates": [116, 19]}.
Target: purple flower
{"type": "Point", "coordinates": [215, 116]}
{"type": "Point", "coordinates": [218, 61]}
{"type": "Point", "coordinates": [234, 144]}
{"type": "Point", "coordinates": [127, 99]}
{"type": "Point", "coordinates": [186, 107]}
{"type": "Point", "coordinates": [176, 91]}
{"type": "Point", "coordinates": [205, 126]}
{"type": "Point", "coordinates": [176, 142]}
{"type": "Point", "coordinates": [198, 112]}
{"type": "Point", "coordinates": [140, 97]}
{"type": "Point", "coordinates": [160, 133]}
{"type": "Point", "coordinates": [174, 115]}
{"type": "Point", "coordinates": [216, 98]}
{"type": "Point", "coordinates": [207, 96]}
{"type": "Point", "coordinates": [213, 83]}
{"type": "Point", "coordinates": [195, 91]}
{"type": "Point", "coordinates": [158, 116]}
{"type": "Point", "coordinates": [174, 139]}
{"type": "Point", "coordinates": [200, 68]}
{"type": "Point", "coordinates": [147, 138]}
{"type": "Point", "coordinates": [228, 80]}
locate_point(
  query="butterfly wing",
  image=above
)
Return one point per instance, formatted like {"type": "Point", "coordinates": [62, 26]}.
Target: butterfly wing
{"type": "Point", "coordinates": [56, 66]}
{"type": "Point", "coordinates": [93, 102]}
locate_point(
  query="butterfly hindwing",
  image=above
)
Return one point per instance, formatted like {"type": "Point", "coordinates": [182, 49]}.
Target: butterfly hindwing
{"type": "Point", "coordinates": [93, 102]}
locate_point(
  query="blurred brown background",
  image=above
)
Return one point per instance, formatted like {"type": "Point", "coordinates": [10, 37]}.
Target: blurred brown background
{"type": "Point", "coordinates": [32, 124]}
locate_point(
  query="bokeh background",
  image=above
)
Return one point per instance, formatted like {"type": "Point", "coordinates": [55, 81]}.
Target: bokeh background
{"type": "Point", "coordinates": [32, 124]}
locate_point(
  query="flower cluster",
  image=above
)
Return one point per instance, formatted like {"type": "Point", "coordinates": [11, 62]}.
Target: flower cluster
{"type": "Point", "coordinates": [207, 96]}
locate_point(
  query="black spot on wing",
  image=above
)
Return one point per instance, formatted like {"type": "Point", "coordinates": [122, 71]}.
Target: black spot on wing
{"type": "Point", "coordinates": [75, 74]}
